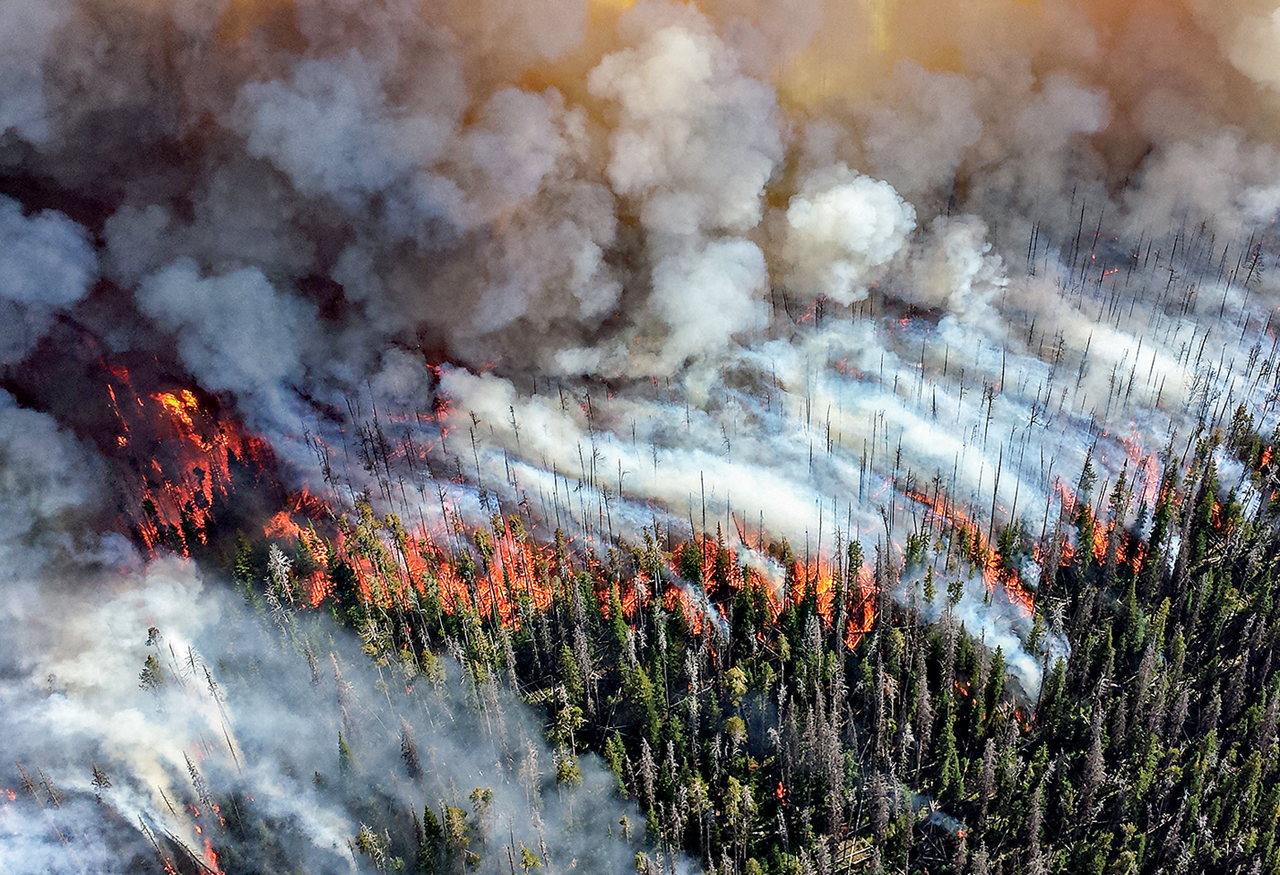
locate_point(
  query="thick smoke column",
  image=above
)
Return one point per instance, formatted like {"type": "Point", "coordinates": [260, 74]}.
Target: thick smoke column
{"type": "Point", "coordinates": [815, 271]}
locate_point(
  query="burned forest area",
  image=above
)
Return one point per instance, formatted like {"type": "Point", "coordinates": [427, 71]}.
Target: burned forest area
{"type": "Point", "coordinates": [836, 437]}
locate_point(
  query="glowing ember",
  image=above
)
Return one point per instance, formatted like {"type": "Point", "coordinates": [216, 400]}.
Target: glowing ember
{"type": "Point", "coordinates": [180, 406]}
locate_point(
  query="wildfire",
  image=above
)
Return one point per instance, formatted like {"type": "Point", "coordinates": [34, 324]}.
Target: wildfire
{"type": "Point", "coordinates": [694, 615]}
{"type": "Point", "coordinates": [182, 462]}
{"type": "Point", "coordinates": [507, 573]}
{"type": "Point", "coordinates": [180, 406]}
{"type": "Point", "coordinates": [183, 459]}
{"type": "Point", "coordinates": [816, 576]}
{"type": "Point", "coordinates": [179, 460]}
{"type": "Point", "coordinates": [862, 613]}
{"type": "Point", "coordinates": [283, 527]}
{"type": "Point", "coordinates": [1130, 550]}
{"type": "Point", "coordinates": [495, 570]}
{"type": "Point", "coordinates": [981, 553]}
{"type": "Point", "coordinates": [511, 567]}
{"type": "Point", "coordinates": [211, 857]}
{"type": "Point", "coordinates": [1147, 466]}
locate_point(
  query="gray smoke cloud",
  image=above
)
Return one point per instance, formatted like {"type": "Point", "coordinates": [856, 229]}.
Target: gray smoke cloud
{"type": "Point", "coordinates": [775, 267]}
{"type": "Point", "coordinates": [46, 264]}
{"type": "Point", "coordinates": [29, 29]}
{"type": "Point", "coordinates": [234, 333]}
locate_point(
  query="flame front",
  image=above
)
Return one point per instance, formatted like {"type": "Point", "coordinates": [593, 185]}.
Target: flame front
{"type": "Point", "coordinates": [985, 557]}
{"type": "Point", "coordinates": [501, 571]}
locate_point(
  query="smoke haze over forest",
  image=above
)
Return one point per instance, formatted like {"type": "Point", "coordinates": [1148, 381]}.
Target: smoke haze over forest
{"type": "Point", "coordinates": [813, 271]}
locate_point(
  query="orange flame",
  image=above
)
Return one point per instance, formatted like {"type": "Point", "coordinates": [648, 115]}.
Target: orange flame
{"type": "Point", "coordinates": [179, 405]}
{"type": "Point", "coordinates": [180, 456]}
{"type": "Point", "coordinates": [211, 857]}
{"type": "Point", "coordinates": [1147, 468]}
{"type": "Point", "coordinates": [862, 614]}
{"type": "Point", "coordinates": [511, 566]}
{"type": "Point", "coordinates": [513, 569]}
{"type": "Point", "coordinates": [981, 553]}
{"type": "Point", "coordinates": [283, 527]}
{"type": "Point", "coordinates": [1130, 549]}
{"type": "Point", "coordinates": [694, 615]}
{"type": "Point", "coordinates": [816, 575]}
{"type": "Point", "coordinates": [507, 575]}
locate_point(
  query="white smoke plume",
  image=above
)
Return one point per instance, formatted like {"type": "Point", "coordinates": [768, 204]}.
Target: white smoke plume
{"type": "Point", "coordinates": [234, 333]}
{"type": "Point", "coordinates": [842, 229]}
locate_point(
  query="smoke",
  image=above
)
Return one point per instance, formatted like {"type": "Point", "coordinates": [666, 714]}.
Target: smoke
{"type": "Point", "coordinates": [993, 621]}
{"type": "Point", "coordinates": [818, 271]}
{"type": "Point", "coordinates": [234, 333]}
{"type": "Point", "coordinates": [135, 699]}
{"type": "Point", "coordinates": [842, 229]}
{"type": "Point", "coordinates": [693, 142]}
{"type": "Point", "coordinates": [46, 265]}
{"type": "Point", "coordinates": [28, 29]}
{"type": "Point", "coordinates": [1218, 178]}
{"type": "Point", "coordinates": [264, 733]}
{"type": "Point", "coordinates": [328, 130]}
{"type": "Point", "coordinates": [694, 139]}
